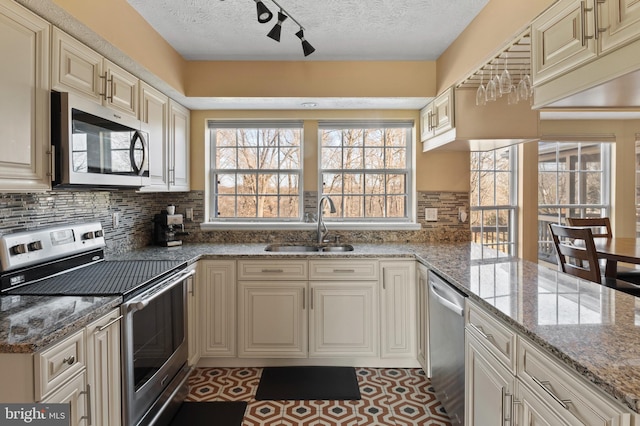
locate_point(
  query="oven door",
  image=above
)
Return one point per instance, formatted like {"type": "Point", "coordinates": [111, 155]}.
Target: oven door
{"type": "Point", "coordinates": [154, 347]}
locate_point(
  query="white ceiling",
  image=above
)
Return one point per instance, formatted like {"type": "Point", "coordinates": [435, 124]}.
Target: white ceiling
{"type": "Point", "coordinates": [338, 29]}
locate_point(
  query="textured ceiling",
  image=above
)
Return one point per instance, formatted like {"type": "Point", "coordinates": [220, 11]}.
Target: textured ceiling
{"type": "Point", "coordinates": [338, 29]}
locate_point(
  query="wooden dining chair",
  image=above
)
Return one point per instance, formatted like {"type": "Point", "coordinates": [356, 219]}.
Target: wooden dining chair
{"type": "Point", "coordinates": [576, 251]}
{"type": "Point", "coordinates": [600, 226]}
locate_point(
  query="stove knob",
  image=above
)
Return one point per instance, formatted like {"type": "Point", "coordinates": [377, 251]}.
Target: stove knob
{"type": "Point", "coordinates": [36, 245]}
{"type": "Point", "coordinates": [99, 233]}
{"type": "Point", "coordinates": [88, 235]}
{"type": "Point", "coordinates": [19, 249]}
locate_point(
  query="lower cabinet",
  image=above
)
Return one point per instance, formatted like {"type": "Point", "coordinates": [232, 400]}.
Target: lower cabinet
{"type": "Point", "coordinates": [343, 319]}
{"type": "Point", "coordinates": [103, 370]}
{"type": "Point", "coordinates": [73, 393]}
{"type": "Point", "coordinates": [216, 312]}
{"type": "Point", "coordinates": [422, 317]}
{"type": "Point", "coordinates": [398, 309]}
{"type": "Point", "coordinates": [272, 319]}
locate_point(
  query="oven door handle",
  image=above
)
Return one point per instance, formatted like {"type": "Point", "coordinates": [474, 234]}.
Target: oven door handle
{"type": "Point", "coordinates": [140, 302]}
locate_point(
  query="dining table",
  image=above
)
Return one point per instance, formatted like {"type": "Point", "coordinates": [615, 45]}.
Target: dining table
{"type": "Point", "coordinates": [615, 250]}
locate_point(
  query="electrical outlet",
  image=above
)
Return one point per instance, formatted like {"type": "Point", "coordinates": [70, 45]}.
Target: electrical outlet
{"type": "Point", "coordinates": [115, 219]}
{"type": "Point", "coordinates": [431, 214]}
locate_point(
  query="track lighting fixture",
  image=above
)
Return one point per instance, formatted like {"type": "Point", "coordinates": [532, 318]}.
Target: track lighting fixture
{"type": "Point", "coordinates": [265, 15]}
{"type": "Point", "coordinates": [307, 48]}
{"type": "Point", "coordinates": [275, 31]}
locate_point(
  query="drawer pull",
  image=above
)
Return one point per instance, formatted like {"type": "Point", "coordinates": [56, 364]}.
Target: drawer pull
{"type": "Point", "coordinates": [109, 324]}
{"type": "Point", "coordinates": [546, 386]}
{"type": "Point", "coordinates": [273, 271]}
{"type": "Point", "coordinates": [478, 330]}
{"type": "Point", "coordinates": [344, 271]}
{"type": "Point", "coordinates": [69, 360]}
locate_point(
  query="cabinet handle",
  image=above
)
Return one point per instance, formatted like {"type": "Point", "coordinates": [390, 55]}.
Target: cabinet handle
{"type": "Point", "coordinates": [311, 299]}
{"type": "Point", "coordinates": [52, 162]}
{"type": "Point", "coordinates": [304, 291]}
{"type": "Point", "coordinates": [104, 86]}
{"type": "Point", "coordinates": [502, 398]}
{"type": "Point", "coordinates": [507, 418]}
{"type": "Point", "coordinates": [478, 330]}
{"type": "Point", "coordinates": [344, 271]}
{"type": "Point", "coordinates": [109, 324]}
{"type": "Point", "coordinates": [69, 360]}
{"type": "Point", "coordinates": [583, 22]}
{"type": "Point", "coordinates": [192, 286]}
{"type": "Point", "coordinates": [546, 386]}
{"type": "Point", "coordinates": [596, 18]}
{"type": "Point", "coordinates": [273, 271]}
{"type": "Point", "coordinates": [172, 176]}
{"type": "Point", "coordinates": [88, 402]}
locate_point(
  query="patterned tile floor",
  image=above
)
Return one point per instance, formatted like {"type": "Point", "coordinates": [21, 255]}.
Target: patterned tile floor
{"type": "Point", "coordinates": [390, 397]}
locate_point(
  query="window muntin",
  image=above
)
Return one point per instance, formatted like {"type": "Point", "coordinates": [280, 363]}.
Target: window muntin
{"type": "Point", "coordinates": [256, 171]}
{"type": "Point", "coordinates": [493, 199]}
{"type": "Point", "coordinates": [365, 169]}
{"type": "Point", "coordinates": [573, 181]}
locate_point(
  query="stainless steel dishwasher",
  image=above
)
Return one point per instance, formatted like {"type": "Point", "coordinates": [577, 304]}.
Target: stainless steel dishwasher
{"type": "Point", "coordinates": [446, 345]}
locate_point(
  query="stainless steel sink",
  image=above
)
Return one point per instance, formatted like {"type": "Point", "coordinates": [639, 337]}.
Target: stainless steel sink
{"type": "Point", "coordinates": [301, 248]}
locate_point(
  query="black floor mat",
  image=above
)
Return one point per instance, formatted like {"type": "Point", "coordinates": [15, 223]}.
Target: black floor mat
{"type": "Point", "coordinates": [302, 383]}
{"type": "Point", "coordinates": [217, 413]}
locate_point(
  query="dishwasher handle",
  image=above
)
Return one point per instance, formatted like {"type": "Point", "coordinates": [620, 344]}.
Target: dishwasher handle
{"type": "Point", "coordinates": [446, 296]}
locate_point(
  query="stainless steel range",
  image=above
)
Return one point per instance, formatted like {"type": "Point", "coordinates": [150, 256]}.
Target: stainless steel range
{"type": "Point", "coordinates": [69, 260]}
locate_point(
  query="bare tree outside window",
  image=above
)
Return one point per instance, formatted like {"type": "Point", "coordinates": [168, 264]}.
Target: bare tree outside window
{"type": "Point", "coordinates": [256, 171]}
{"type": "Point", "coordinates": [365, 170]}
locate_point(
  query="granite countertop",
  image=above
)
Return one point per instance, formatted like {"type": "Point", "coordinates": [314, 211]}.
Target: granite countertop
{"type": "Point", "coordinates": [592, 329]}
{"type": "Point", "coordinates": [29, 323]}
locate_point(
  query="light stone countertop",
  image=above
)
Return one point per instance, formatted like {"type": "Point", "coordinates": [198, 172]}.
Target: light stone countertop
{"type": "Point", "coordinates": [592, 329]}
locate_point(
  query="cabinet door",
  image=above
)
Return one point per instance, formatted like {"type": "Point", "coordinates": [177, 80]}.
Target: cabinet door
{"type": "Point", "coordinates": [178, 147]}
{"type": "Point", "coordinates": [532, 411]}
{"type": "Point", "coordinates": [194, 288]}
{"type": "Point", "coordinates": [443, 112]}
{"type": "Point", "coordinates": [489, 387]}
{"type": "Point", "coordinates": [272, 319]}
{"type": "Point", "coordinates": [342, 319]}
{"type": "Point", "coordinates": [122, 89]}
{"type": "Point", "coordinates": [74, 393]}
{"type": "Point", "coordinates": [422, 316]}
{"type": "Point", "coordinates": [24, 104]}
{"type": "Point", "coordinates": [103, 369]}
{"type": "Point", "coordinates": [620, 21]}
{"type": "Point", "coordinates": [426, 122]}
{"type": "Point", "coordinates": [397, 301]}
{"type": "Point", "coordinates": [154, 115]}
{"type": "Point", "coordinates": [76, 68]}
{"type": "Point", "coordinates": [217, 307]}
{"type": "Point", "coordinates": [562, 39]}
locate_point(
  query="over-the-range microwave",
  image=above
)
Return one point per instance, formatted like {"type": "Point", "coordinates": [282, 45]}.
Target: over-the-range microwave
{"type": "Point", "coordinates": [96, 146]}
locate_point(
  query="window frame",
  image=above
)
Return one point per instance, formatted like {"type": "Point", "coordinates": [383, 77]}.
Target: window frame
{"type": "Point", "coordinates": [213, 171]}
{"type": "Point", "coordinates": [408, 170]}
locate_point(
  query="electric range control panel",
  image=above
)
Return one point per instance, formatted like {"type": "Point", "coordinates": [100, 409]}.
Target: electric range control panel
{"type": "Point", "coordinates": [25, 248]}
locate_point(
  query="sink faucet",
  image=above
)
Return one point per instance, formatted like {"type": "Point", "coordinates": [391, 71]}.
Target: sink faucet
{"type": "Point", "coordinates": [322, 228]}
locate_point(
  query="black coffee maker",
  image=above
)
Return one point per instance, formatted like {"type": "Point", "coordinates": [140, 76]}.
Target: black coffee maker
{"type": "Point", "coordinates": [167, 228]}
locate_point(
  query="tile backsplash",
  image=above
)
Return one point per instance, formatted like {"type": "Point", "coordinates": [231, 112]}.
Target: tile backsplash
{"type": "Point", "coordinates": [136, 210]}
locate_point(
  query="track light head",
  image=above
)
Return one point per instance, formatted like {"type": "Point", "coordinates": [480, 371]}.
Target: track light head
{"type": "Point", "coordinates": [307, 48]}
{"type": "Point", "coordinates": [275, 31]}
{"type": "Point", "coordinates": [264, 14]}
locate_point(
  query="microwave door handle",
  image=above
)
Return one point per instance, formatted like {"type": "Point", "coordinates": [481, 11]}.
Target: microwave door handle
{"type": "Point", "coordinates": [139, 170]}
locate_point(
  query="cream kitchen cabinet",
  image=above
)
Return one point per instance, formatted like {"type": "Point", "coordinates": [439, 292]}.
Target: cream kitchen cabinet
{"type": "Point", "coordinates": [104, 370]}
{"type": "Point", "coordinates": [619, 23]}
{"type": "Point", "coordinates": [398, 309]}
{"type": "Point", "coordinates": [154, 116]}
{"type": "Point", "coordinates": [437, 117]}
{"type": "Point", "coordinates": [489, 387]}
{"type": "Point", "coordinates": [422, 317]}
{"type": "Point", "coordinates": [194, 324]}
{"type": "Point", "coordinates": [178, 147]}
{"type": "Point", "coordinates": [216, 292]}
{"type": "Point", "coordinates": [73, 393]}
{"type": "Point", "coordinates": [25, 163]}
{"type": "Point", "coordinates": [77, 68]}
{"type": "Point", "coordinates": [343, 318]}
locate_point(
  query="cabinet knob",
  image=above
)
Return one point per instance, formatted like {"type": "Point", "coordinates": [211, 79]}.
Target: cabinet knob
{"type": "Point", "coordinates": [69, 360]}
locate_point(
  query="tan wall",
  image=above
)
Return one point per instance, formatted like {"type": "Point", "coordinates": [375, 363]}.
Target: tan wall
{"type": "Point", "coordinates": [441, 171]}
{"type": "Point", "coordinates": [497, 24]}
{"type": "Point", "coordinates": [118, 23]}
{"type": "Point", "coordinates": [311, 79]}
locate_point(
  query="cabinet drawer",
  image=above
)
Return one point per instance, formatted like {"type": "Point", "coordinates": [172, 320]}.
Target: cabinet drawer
{"type": "Point", "coordinates": [270, 270]}
{"type": "Point", "coordinates": [343, 269]}
{"type": "Point", "coordinates": [563, 390]}
{"type": "Point", "coordinates": [59, 363]}
{"type": "Point", "coordinates": [499, 339]}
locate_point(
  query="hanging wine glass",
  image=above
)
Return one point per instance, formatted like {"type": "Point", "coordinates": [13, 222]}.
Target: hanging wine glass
{"type": "Point", "coordinates": [491, 89]}
{"type": "Point", "coordinates": [481, 93]}
{"type": "Point", "coordinates": [505, 77]}
{"type": "Point", "coordinates": [513, 96]}
{"type": "Point", "coordinates": [523, 86]}
{"type": "Point", "coordinates": [496, 79]}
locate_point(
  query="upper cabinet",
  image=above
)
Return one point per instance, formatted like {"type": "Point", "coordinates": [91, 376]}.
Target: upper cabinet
{"type": "Point", "coordinates": [77, 68]}
{"type": "Point", "coordinates": [178, 147]}
{"type": "Point", "coordinates": [24, 105]}
{"type": "Point", "coordinates": [587, 54]}
{"type": "Point", "coordinates": [437, 117]}
{"type": "Point", "coordinates": [154, 115]}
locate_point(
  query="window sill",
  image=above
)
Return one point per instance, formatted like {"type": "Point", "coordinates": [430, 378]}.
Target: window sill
{"type": "Point", "coordinates": [293, 226]}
